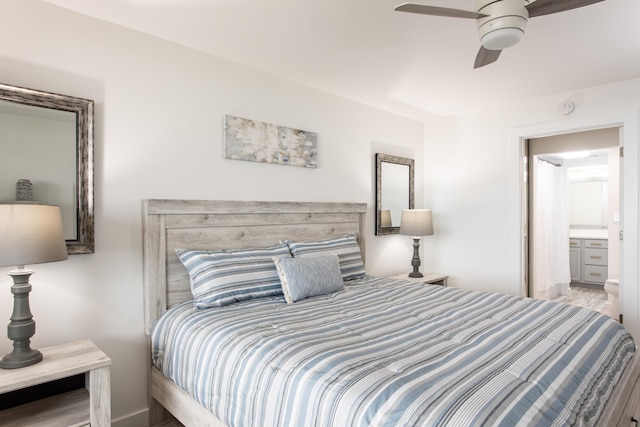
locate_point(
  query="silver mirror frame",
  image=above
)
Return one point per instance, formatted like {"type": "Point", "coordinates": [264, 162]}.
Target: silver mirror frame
{"type": "Point", "coordinates": [83, 109]}
{"type": "Point", "coordinates": [380, 158]}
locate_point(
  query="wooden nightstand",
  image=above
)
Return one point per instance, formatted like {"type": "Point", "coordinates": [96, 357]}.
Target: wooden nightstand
{"type": "Point", "coordinates": [83, 407]}
{"type": "Point", "coordinates": [434, 279]}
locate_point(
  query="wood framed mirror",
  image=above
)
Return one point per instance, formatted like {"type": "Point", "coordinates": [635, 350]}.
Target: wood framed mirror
{"type": "Point", "coordinates": [47, 139]}
{"type": "Point", "coordinates": [394, 191]}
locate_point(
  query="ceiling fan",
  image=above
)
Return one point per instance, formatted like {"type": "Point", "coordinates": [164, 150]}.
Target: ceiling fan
{"type": "Point", "coordinates": [501, 23]}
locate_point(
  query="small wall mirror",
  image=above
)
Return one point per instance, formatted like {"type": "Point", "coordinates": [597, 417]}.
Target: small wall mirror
{"type": "Point", "coordinates": [47, 139]}
{"type": "Point", "coordinates": [588, 204]}
{"type": "Point", "coordinates": [589, 191]}
{"type": "Point", "coordinates": [394, 191]}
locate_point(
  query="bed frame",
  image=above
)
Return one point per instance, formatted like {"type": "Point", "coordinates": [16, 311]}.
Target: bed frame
{"type": "Point", "coordinates": [207, 224]}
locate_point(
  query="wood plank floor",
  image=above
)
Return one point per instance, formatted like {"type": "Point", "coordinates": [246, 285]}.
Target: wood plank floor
{"type": "Point", "coordinates": [595, 299]}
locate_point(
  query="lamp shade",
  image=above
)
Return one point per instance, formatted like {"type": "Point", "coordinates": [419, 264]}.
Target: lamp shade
{"type": "Point", "coordinates": [416, 222]}
{"type": "Point", "coordinates": [31, 234]}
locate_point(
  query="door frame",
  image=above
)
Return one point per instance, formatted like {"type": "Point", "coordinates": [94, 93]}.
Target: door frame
{"type": "Point", "coordinates": [629, 218]}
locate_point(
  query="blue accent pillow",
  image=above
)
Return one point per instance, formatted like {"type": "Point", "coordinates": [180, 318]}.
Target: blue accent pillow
{"type": "Point", "coordinates": [219, 278]}
{"type": "Point", "coordinates": [308, 277]}
{"type": "Point", "coordinates": [346, 248]}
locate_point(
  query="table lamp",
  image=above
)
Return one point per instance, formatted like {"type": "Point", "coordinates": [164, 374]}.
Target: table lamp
{"type": "Point", "coordinates": [416, 223]}
{"type": "Point", "coordinates": [29, 234]}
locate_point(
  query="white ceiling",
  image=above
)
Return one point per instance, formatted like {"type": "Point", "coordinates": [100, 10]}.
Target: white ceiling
{"type": "Point", "coordinates": [413, 65]}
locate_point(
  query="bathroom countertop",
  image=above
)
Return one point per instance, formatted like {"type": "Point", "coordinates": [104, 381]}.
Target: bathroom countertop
{"type": "Point", "coordinates": [588, 234]}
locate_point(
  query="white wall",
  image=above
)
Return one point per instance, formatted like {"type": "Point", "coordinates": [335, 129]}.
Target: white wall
{"type": "Point", "coordinates": [158, 134]}
{"type": "Point", "coordinates": [472, 179]}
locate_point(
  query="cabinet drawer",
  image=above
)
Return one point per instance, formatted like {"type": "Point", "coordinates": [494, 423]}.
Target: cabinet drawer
{"type": "Point", "coordinates": [594, 274]}
{"type": "Point", "coordinates": [596, 243]}
{"type": "Point", "coordinates": [575, 243]}
{"type": "Point", "coordinates": [595, 256]}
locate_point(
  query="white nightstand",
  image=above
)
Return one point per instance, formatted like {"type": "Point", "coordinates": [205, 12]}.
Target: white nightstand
{"type": "Point", "coordinates": [83, 407]}
{"type": "Point", "coordinates": [431, 278]}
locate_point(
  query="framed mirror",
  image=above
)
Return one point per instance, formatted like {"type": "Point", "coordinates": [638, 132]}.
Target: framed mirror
{"type": "Point", "coordinates": [47, 139]}
{"type": "Point", "coordinates": [394, 191]}
{"type": "Point", "coordinates": [589, 204]}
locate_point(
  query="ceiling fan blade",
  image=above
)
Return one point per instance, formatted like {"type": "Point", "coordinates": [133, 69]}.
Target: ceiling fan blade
{"type": "Point", "coordinates": [546, 7]}
{"type": "Point", "coordinates": [486, 57]}
{"type": "Point", "coordinates": [438, 11]}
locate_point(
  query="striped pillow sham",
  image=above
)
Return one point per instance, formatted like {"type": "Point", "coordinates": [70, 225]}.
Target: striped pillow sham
{"type": "Point", "coordinates": [347, 249]}
{"type": "Point", "coordinates": [224, 277]}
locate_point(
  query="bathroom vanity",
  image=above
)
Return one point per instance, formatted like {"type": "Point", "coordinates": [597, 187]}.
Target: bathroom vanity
{"type": "Point", "coordinates": [588, 258]}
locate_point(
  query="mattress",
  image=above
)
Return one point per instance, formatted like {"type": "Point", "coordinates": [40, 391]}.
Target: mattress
{"type": "Point", "coordinates": [385, 352]}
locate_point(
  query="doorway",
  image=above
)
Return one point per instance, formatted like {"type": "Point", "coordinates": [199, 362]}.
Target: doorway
{"type": "Point", "coordinates": [629, 221]}
{"type": "Point", "coordinates": [573, 218]}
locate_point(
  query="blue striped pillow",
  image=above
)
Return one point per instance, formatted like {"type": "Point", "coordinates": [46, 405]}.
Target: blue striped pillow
{"type": "Point", "coordinates": [224, 277]}
{"type": "Point", "coordinates": [347, 249]}
{"type": "Point", "coordinates": [308, 277]}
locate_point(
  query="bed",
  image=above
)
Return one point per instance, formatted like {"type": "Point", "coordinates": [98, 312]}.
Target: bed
{"type": "Point", "coordinates": [384, 371]}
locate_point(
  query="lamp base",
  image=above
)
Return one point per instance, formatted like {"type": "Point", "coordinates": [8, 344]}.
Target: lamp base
{"type": "Point", "coordinates": [22, 326]}
{"type": "Point", "coordinates": [20, 359]}
{"type": "Point", "coordinates": [415, 261]}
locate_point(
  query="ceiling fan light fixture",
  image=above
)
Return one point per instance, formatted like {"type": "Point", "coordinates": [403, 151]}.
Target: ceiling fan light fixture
{"type": "Point", "coordinates": [502, 38]}
{"type": "Point", "coordinates": [505, 24]}
{"type": "Point", "coordinates": [501, 23]}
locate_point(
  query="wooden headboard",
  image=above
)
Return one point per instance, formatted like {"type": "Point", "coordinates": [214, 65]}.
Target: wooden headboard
{"type": "Point", "coordinates": [215, 224]}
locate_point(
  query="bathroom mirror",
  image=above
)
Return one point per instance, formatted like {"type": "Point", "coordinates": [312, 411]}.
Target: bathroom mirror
{"type": "Point", "coordinates": [588, 204]}
{"type": "Point", "coordinates": [47, 139]}
{"type": "Point", "coordinates": [394, 191]}
{"type": "Point", "coordinates": [589, 192]}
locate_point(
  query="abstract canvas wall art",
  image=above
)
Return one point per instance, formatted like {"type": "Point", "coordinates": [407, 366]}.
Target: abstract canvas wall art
{"type": "Point", "coordinates": [254, 141]}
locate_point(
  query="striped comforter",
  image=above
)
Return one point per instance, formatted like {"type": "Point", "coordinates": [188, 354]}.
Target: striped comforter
{"type": "Point", "coordinates": [389, 353]}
